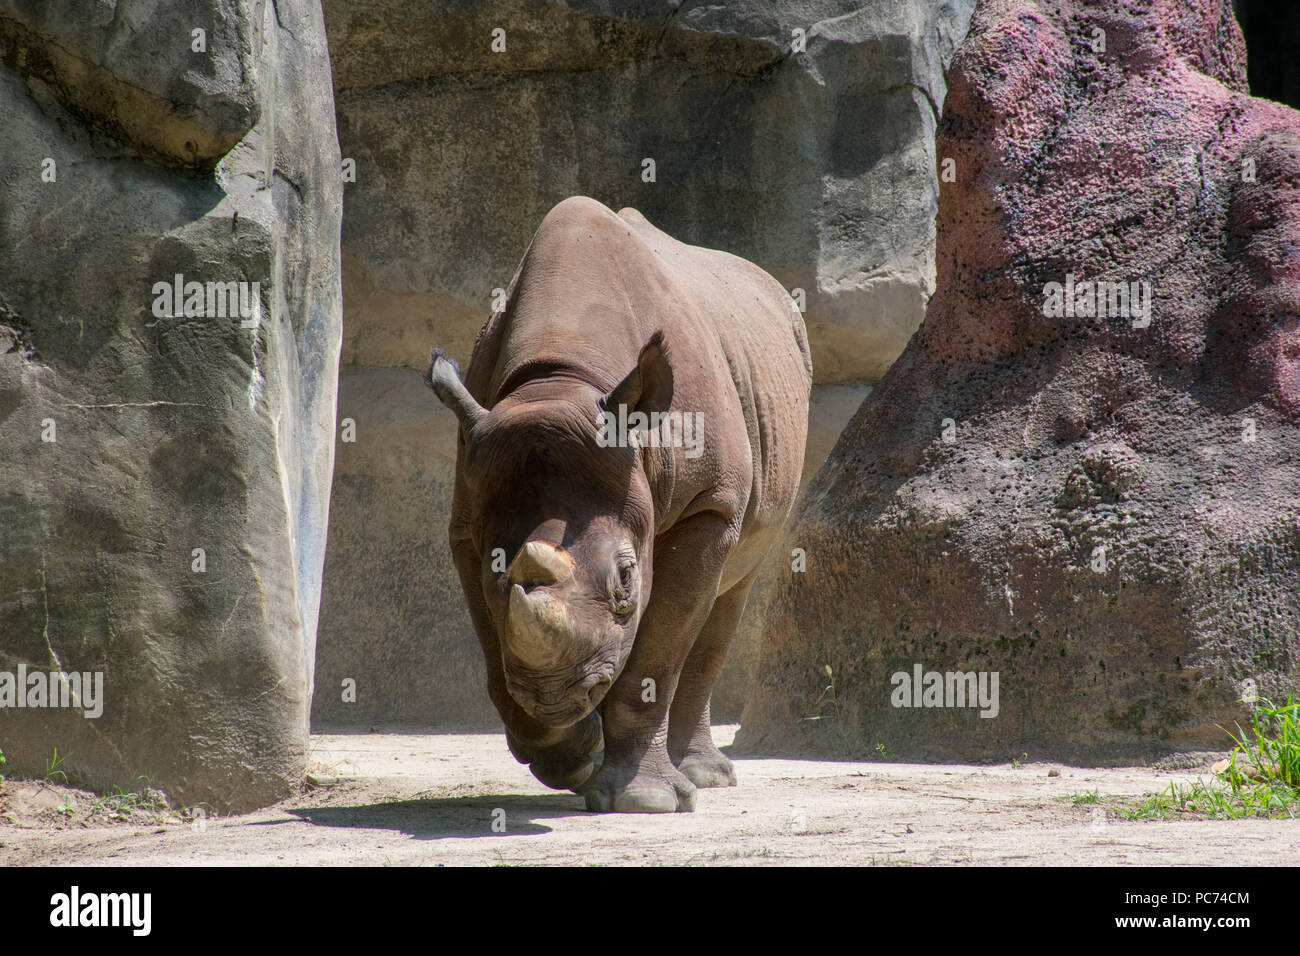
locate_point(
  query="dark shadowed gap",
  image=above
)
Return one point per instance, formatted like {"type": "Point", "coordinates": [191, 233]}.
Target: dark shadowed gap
{"type": "Point", "coordinates": [1272, 31]}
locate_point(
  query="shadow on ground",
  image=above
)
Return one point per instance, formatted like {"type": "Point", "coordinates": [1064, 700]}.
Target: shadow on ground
{"type": "Point", "coordinates": [438, 818]}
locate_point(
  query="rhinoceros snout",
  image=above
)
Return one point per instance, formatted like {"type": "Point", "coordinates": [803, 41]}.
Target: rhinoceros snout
{"type": "Point", "coordinates": [546, 640]}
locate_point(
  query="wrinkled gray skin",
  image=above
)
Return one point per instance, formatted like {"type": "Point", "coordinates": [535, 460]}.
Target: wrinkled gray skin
{"type": "Point", "coordinates": [621, 571]}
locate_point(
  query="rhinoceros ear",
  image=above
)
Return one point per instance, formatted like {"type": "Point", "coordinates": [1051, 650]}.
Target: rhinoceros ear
{"type": "Point", "coordinates": [443, 376]}
{"type": "Point", "coordinates": [648, 387]}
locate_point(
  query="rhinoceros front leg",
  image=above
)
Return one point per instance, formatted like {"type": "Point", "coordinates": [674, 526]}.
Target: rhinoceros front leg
{"type": "Point", "coordinates": [637, 775]}
{"type": "Point", "coordinates": [690, 735]}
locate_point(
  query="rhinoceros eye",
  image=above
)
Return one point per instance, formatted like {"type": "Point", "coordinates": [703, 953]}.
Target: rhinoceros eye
{"type": "Point", "coordinates": [623, 589]}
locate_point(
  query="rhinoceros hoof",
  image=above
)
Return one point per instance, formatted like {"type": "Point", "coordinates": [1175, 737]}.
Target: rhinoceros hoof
{"type": "Point", "coordinates": [708, 770]}
{"type": "Point", "coordinates": [644, 793]}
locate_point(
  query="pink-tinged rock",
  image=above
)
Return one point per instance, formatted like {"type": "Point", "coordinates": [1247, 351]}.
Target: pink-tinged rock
{"type": "Point", "coordinates": [1103, 510]}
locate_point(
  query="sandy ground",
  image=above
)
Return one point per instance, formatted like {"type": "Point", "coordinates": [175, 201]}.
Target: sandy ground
{"type": "Point", "coordinates": [433, 800]}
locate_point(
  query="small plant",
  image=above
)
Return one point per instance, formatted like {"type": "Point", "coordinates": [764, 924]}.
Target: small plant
{"type": "Point", "coordinates": [52, 767]}
{"type": "Point", "coordinates": [826, 700]}
{"type": "Point", "coordinates": [1015, 764]}
{"type": "Point", "coordinates": [882, 752]}
{"type": "Point", "coordinates": [69, 807]}
{"type": "Point", "coordinates": [827, 707]}
{"type": "Point", "coordinates": [1087, 797]}
{"type": "Point", "coordinates": [2, 763]}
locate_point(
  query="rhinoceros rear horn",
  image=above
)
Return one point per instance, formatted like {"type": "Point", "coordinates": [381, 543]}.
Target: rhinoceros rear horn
{"type": "Point", "coordinates": [648, 387]}
{"type": "Point", "coordinates": [443, 376]}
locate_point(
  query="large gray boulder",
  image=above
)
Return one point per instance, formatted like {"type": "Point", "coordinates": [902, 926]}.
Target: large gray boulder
{"type": "Point", "coordinates": [816, 164]}
{"type": "Point", "coordinates": [164, 479]}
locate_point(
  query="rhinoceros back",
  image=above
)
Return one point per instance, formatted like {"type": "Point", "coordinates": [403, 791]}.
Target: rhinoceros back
{"type": "Point", "coordinates": [591, 290]}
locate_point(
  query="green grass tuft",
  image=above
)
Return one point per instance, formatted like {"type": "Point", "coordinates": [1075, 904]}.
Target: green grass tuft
{"type": "Point", "coordinates": [52, 767]}
{"type": "Point", "coordinates": [1261, 778]}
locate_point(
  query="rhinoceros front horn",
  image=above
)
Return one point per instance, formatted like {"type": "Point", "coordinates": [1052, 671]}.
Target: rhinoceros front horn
{"type": "Point", "coordinates": [538, 624]}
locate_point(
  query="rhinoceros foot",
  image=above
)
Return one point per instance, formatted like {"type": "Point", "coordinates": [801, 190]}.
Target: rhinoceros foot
{"type": "Point", "coordinates": [563, 759]}
{"type": "Point", "coordinates": [597, 759]}
{"type": "Point", "coordinates": [708, 769]}
{"type": "Point", "coordinates": [564, 776]}
{"type": "Point", "coordinates": [631, 790]}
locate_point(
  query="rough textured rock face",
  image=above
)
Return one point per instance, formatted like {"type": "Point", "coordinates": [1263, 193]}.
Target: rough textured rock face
{"type": "Point", "coordinates": [1099, 509]}
{"type": "Point", "coordinates": [817, 165]}
{"type": "Point", "coordinates": [136, 151]}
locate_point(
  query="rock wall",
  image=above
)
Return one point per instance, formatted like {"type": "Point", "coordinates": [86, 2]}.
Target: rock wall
{"type": "Point", "coordinates": [165, 466]}
{"type": "Point", "coordinates": [1098, 506]}
{"type": "Point", "coordinates": [815, 163]}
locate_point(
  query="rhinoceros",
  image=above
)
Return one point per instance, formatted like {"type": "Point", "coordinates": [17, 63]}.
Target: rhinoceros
{"type": "Point", "coordinates": [632, 430]}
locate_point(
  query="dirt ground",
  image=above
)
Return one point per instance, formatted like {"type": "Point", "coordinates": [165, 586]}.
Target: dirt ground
{"type": "Point", "coordinates": [409, 800]}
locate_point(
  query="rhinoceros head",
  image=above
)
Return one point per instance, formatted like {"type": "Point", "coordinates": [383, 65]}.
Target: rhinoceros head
{"type": "Point", "coordinates": [564, 528]}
